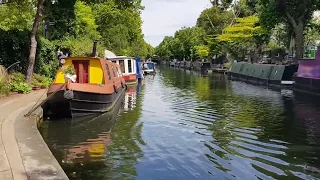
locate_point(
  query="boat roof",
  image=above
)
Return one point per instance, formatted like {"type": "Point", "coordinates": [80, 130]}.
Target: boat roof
{"type": "Point", "coordinates": [108, 54]}
{"type": "Point", "coordinates": [120, 57]}
{"type": "Point", "coordinates": [80, 57]}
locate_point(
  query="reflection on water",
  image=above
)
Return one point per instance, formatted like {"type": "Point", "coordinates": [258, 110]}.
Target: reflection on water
{"type": "Point", "coordinates": [186, 125]}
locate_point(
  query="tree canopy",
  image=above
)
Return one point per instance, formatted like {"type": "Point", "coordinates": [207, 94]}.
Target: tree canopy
{"type": "Point", "coordinates": [73, 25]}
{"type": "Point", "coordinates": [296, 13]}
{"type": "Point", "coordinates": [247, 28]}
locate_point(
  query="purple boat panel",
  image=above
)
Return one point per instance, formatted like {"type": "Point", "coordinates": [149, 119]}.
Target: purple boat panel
{"type": "Point", "coordinates": [310, 68]}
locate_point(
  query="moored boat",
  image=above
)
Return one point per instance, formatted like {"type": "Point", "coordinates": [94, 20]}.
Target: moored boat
{"type": "Point", "coordinates": [264, 74]}
{"type": "Point", "coordinates": [307, 78]}
{"type": "Point", "coordinates": [201, 66]}
{"type": "Point", "coordinates": [148, 68]}
{"type": "Point", "coordinates": [183, 64]}
{"type": "Point", "coordinates": [177, 64]}
{"type": "Point", "coordinates": [189, 65]}
{"type": "Point", "coordinates": [84, 86]}
{"type": "Point", "coordinates": [139, 69]}
{"type": "Point", "coordinates": [128, 66]}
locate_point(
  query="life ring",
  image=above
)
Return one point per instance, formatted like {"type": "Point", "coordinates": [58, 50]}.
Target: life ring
{"type": "Point", "coordinates": [115, 88]}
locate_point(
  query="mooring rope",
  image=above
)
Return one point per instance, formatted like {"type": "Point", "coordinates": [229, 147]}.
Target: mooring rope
{"type": "Point", "coordinates": [35, 107]}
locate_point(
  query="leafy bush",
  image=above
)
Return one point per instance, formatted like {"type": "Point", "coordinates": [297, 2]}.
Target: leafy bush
{"type": "Point", "coordinates": [4, 88]}
{"type": "Point", "coordinates": [17, 77]}
{"type": "Point", "coordinates": [17, 83]}
{"type": "Point", "coordinates": [39, 80]}
{"type": "Point", "coordinates": [14, 47]}
{"type": "Point", "coordinates": [3, 71]}
{"type": "Point", "coordinates": [47, 63]}
{"type": "Point", "coordinates": [20, 87]}
{"type": "Point", "coordinates": [228, 64]}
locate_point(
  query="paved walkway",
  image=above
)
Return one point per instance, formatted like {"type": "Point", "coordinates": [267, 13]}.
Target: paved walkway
{"type": "Point", "coordinates": [11, 164]}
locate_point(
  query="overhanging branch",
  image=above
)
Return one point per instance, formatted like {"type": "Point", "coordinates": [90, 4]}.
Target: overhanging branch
{"type": "Point", "coordinates": [291, 19]}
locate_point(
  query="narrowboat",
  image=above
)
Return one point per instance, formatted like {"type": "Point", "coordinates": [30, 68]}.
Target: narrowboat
{"type": "Point", "coordinates": [84, 86]}
{"type": "Point", "coordinates": [172, 64]}
{"type": "Point", "coordinates": [183, 64]}
{"type": "Point", "coordinates": [202, 66]}
{"type": "Point", "coordinates": [189, 65]}
{"type": "Point", "coordinates": [148, 68]}
{"type": "Point", "coordinates": [177, 64]}
{"type": "Point", "coordinates": [263, 74]}
{"type": "Point", "coordinates": [307, 78]}
{"type": "Point", "coordinates": [128, 68]}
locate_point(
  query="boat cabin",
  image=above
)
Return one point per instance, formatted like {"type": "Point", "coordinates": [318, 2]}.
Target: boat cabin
{"type": "Point", "coordinates": [88, 71]}
{"type": "Point", "coordinates": [148, 67]}
{"type": "Point", "coordinates": [308, 75]}
{"type": "Point", "coordinates": [127, 67]}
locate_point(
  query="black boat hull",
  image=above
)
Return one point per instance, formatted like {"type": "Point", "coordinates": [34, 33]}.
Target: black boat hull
{"type": "Point", "coordinates": [71, 104]}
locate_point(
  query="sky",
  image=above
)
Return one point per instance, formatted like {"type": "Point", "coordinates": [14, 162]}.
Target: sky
{"type": "Point", "coordinates": [164, 17]}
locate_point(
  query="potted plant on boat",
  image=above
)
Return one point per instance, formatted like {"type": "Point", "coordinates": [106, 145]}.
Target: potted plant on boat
{"type": "Point", "coordinates": [69, 73]}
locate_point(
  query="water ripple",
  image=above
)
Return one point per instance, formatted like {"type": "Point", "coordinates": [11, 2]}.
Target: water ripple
{"type": "Point", "coordinates": [183, 125]}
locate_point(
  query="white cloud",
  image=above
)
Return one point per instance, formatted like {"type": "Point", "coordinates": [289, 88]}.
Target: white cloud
{"type": "Point", "coordinates": [164, 17]}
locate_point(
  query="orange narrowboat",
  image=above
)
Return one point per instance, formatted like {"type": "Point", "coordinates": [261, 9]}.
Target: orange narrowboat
{"type": "Point", "coordinates": [84, 86]}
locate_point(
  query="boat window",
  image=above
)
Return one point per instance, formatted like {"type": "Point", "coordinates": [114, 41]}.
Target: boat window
{"type": "Point", "coordinates": [108, 71]}
{"type": "Point", "coordinates": [130, 66]}
{"type": "Point", "coordinates": [121, 64]}
{"type": "Point", "coordinates": [119, 72]}
{"type": "Point", "coordinates": [114, 72]}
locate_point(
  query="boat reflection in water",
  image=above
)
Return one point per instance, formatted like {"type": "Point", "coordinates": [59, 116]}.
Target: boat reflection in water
{"type": "Point", "coordinates": [131, 96]}
{"type": "Point", "coordinates": [82, 139]}
{"type": "Point", "coordinates": [85, 144]}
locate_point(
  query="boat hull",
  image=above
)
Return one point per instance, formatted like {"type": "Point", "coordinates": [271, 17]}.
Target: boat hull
{"type": "Point", "coordinates": [130, 79]}
{"type": "Point", "coordinates": [263, 74]}
{"type": "Point", "coordinates": [71, 104]}
{"type": "Point", "coordinates": [152, 71]}
{"type": "Point", "coordinates": [307, 85]}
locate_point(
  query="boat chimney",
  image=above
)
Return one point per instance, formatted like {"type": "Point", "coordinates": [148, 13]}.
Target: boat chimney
{"type": "Point", "coordinates": [94, 49]}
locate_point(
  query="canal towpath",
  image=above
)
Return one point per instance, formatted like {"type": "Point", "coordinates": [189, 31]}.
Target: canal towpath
{"type": "Point", "coordinates": [23, 153]}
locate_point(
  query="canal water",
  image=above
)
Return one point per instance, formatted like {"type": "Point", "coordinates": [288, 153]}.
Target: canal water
{"type": "Point", "coordinates": [184, 125]}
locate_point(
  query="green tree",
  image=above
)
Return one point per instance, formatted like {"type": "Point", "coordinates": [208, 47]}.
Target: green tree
{"type": "Point", "coordinates": [120, 28]}
{"type": "Point", "coordinates": [117, 23]}
{"type": "Point", "coordinates": [224, 4]}
{"type": "Point", "coordinates": [188, 39]}
{"type": "Point", "coordinates": [202, 51]}
{"type": "Point", "coordinates": [163, 49]}
{"type": "Point", "coordinates": [294, 12]}
{"type": "Point", "coordinates": [214, 19]}
{"type": "Point", "coordinates": [84, 21]}
{"type": "Point", "coordinates": [33, 40]}
{"type": "Point", "coordinates": [38, 18]}
{"type": "Point", "coordinates": [245, 34]}
{"type": "Point", "coordinates": [312, 32]}
{"type": "Point", "coordinates": [62, 13]}
{"type": "Point", "coordinates": [16, 16]}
